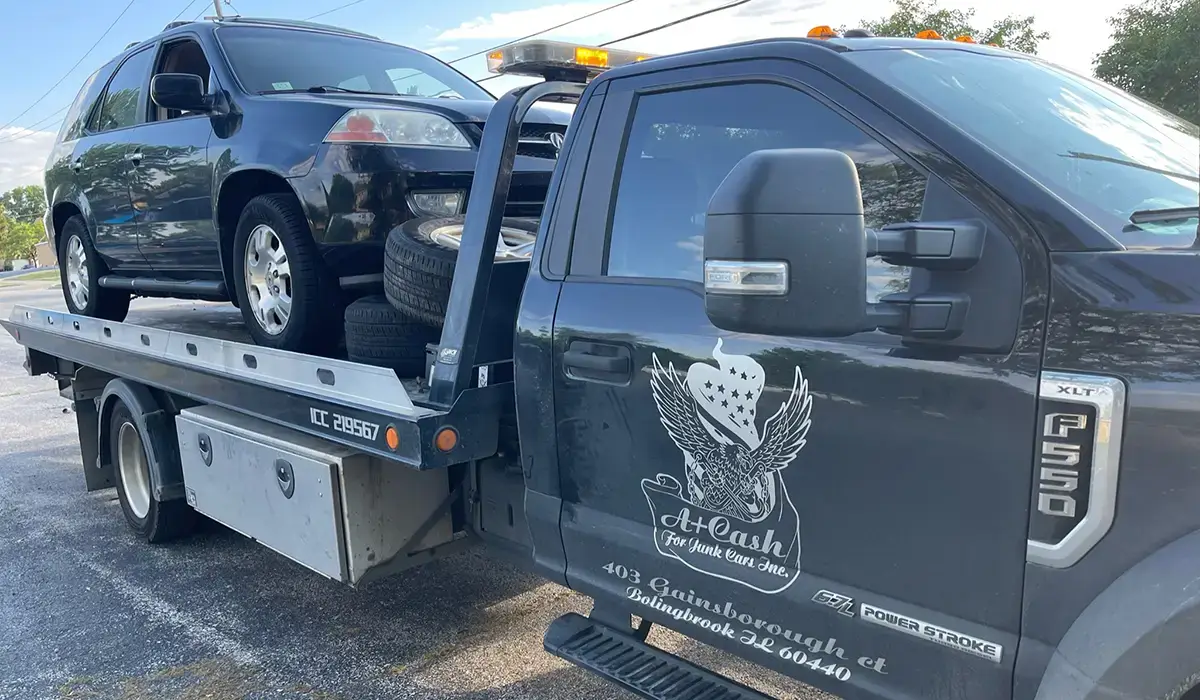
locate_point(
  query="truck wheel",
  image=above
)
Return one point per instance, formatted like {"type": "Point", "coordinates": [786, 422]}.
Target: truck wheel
{"type": "Point", "coordinates": [288, 298]}
{"type": "Point", "coordinates": [420, 256]}
{"type": "Point", "coordinates": [80, 269]}
{"type": "Point", "coordinates": [379, 334]}
{"type": "Point", "coordinates": [156, 521]}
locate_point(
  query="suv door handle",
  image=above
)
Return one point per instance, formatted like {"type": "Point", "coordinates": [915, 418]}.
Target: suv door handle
{"type": "Point", "coordinates": [78, 164]}
{"type": "Point", "coordinates": [135, 158]}
{"type": "Point", "coordinates": [586, 360]}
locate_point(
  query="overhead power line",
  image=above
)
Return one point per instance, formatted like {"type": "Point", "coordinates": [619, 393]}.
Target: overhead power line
{"type": "Point", "coordinates": [541, 31]}
{"type": "Point", "coordinates": [580, 18]}
{"type": "Point", "coordinates": [331, 11]}
{"type": "Point", "coordinates": [681, 20]}
{"type": "Point", "coordinates": [672, 23]}
{"type": "Point", "coordinates": [185, 9]}
{"type": "Point", "coordinates": [72, 68]}
{"type": "Point", "coordinates": [32, 128]}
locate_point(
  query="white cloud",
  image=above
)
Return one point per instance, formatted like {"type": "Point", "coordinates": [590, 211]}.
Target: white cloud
{"type": "Point", "coordinates": [23, 156]}
{"type": "Point", "coordinates": [441, 51]}
{"type": "Point", "coordinates": [1075, 38]}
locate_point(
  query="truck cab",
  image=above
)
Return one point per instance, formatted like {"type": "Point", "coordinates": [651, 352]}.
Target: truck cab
{"type": "Point", "coordinates": [870, 363]}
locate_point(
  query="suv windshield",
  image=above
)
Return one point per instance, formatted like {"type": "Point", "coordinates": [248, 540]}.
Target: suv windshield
{"type": "Point", "coordinates": [268, 59]}
{"type": "Point", "coordinates": [1103, 151]}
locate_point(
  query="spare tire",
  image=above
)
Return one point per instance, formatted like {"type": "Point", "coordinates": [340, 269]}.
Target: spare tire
{"type": "Point", "coordinates": [419, 262]}
{"type": "Point", "coordinates": [379, 334]}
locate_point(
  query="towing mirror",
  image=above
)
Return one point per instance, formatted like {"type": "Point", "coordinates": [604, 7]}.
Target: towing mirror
{"type": "Point", "coordinates": [785, 248]}
{"type": "Point", "coordinates": [182, 91]}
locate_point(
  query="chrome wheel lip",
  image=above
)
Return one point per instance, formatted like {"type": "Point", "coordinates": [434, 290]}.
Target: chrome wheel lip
{"type": "Point", "coordinates": [134, 468]}
{"type": "Point", "coordinates": [77, 272]}
{"type": "Point", "coordinates": [513, 243]}
{"type": "Point", "coordinates": [268, 278]}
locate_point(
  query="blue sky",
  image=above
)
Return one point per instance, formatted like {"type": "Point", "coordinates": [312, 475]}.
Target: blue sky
{"type": "Point", "coordinates": [78, 23]}
{"type": "Point", "coordinates": [40, 41]}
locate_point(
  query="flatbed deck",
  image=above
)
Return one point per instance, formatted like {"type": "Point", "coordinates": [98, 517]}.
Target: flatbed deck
{"type": "Point", "coordinates": [346, 402]}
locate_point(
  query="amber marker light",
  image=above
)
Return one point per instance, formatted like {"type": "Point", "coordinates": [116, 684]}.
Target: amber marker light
{"type": "Point", "coordinates": [446, 439]}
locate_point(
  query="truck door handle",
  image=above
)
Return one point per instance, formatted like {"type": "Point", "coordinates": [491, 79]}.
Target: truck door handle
{"type": "Point", "coordinates": [135, 158]}
{"type": "Point", "coordinates": [77, 165]}
{"type": "Point", "coordinates": [587, 360]}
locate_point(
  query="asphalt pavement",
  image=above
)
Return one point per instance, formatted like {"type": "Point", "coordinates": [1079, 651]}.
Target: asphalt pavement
{"type": "Point", "coordinates": [88, 612]}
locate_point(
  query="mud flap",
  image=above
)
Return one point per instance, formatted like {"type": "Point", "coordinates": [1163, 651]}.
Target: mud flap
{"type": "Point", "coordinates": [636, 666]}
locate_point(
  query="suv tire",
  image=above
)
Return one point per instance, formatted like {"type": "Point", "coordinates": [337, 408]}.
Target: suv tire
{"type": "Point", "coordinates": [377, 333]}
{"type": "Point", "coordinates": [289, 299]}
{"type": "Point", "coordinates": [417, 272]}
{"type": "Point", "coordinates": [80, 269]}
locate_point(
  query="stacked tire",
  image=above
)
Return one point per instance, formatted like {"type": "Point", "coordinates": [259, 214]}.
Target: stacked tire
{"type": "Point", "coordinates": [417, 272]}
{"type": "Point", "coordinates": [379, 334]}
{"type": "Point", "coordinates": [394, 330]}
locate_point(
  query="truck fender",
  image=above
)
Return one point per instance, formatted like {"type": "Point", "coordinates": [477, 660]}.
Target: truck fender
{"type": "Point", "coordinates": [157, 428]}
{"type": "Point", "coordinates": [1140, 638]}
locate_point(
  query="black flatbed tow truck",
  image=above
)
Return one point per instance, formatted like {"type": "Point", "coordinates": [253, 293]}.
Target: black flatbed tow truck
{"type": "Point", "coordinates": [928, 307]}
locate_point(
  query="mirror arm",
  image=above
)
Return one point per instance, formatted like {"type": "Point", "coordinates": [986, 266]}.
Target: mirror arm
{"type": "Point", "coordinates": [217, 103]}
{"type": "Point", "coordinates": [930, 245]}
{"type": "Point", "coordinates": [920, 316]}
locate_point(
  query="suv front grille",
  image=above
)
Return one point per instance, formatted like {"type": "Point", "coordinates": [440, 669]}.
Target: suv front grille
{"type": "Point", "coordinates": [533, 141]}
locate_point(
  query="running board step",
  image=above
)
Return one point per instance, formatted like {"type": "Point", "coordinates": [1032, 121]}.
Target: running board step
{"type": "Point", "coordinates": [636, 666]}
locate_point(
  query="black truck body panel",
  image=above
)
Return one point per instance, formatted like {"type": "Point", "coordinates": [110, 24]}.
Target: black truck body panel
{"type": "Point", "coordinates": [1135, 315]}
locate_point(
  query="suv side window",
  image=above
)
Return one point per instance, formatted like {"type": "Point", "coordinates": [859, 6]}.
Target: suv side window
{"type": "Point", "coordinates": [184, 56]}
{"type": "Point", "coordinates": [77, 114]}
{"type": "Point", "coordinates": [119, 107]}
{"type": "Point", "coordinates": [681, 145]}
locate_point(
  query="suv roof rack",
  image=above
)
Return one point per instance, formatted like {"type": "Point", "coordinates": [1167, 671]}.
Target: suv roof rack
{"type": "Point", "coordinates": [179, 23]}
{"type": "Point", "coordinates": [299, 24]}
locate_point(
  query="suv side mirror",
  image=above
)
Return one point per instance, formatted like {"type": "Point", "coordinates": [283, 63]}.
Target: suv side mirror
{"type": "Point", "coordinates": [785, 246]}
{"type": "Point", "coordinates": [181, 91]}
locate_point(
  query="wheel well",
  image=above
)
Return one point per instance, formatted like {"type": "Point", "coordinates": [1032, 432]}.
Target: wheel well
{"type": "Point", "coordinates": [236, 192]}
{"type": "Point", "coordinates": [61, 212]}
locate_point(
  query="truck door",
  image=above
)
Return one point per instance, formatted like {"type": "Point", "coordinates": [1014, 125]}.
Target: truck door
{"type": "Point", "coordinates": [852, 512]}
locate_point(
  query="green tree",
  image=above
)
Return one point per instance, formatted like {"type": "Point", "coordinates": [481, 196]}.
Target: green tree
{"type": "Point", "coordinates": [19, 239]}
{"type": "Point", "coordinates": [912, 16]}
{"type": "Point", "coordinates": [1154, 56]}
{"type": "Point", "coordinates": [26, 204]}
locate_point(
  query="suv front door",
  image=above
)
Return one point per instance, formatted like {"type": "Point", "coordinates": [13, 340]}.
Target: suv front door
{"type": "Point", "coordinates": [851, 512]}
{"type": "Point", "coordinates": [103, 164]}
{"type": "Point", "coordinates": [172, 184]}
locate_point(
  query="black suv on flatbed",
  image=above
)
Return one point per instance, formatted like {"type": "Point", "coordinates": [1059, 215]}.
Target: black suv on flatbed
{"type": "Point", "coordinates": [263, 162]}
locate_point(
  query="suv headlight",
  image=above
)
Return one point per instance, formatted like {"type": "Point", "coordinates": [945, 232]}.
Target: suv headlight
{"type": "Point", "coordinates": [396, 126]}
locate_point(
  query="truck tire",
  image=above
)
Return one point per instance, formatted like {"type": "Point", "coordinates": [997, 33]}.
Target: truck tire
{"type": "Point", "coordinates": [153, 520]}
{"type": "Point", "coordinates": [287, 296]}
{"type": "Point", "coordinates": [80, 269]}
{"type": "Point", "coordinates": [377, 333]}
{"type": "Point", "coordinates": [417, 272]}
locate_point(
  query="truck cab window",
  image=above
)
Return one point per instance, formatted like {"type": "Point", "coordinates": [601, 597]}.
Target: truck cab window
{"type": "Point", "coordinates": [682, 144]}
